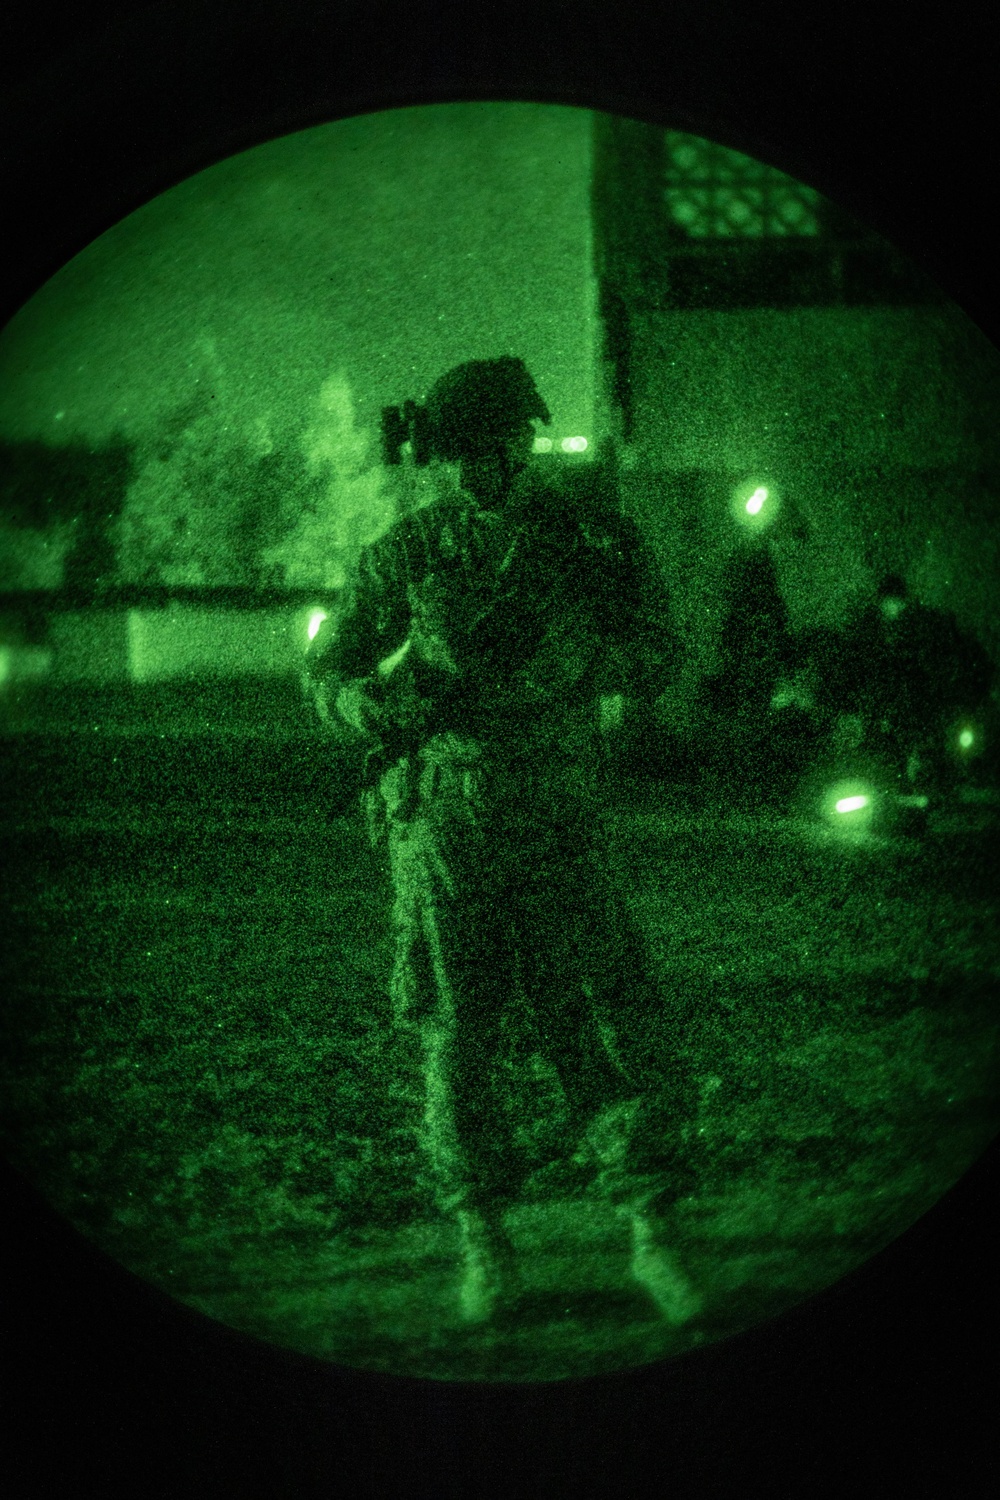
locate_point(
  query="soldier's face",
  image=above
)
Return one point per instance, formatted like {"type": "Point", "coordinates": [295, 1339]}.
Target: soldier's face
{"type": "Point", "coordinates": [519, 445]}
{"type": "Point", "coordinates": [490, 472]}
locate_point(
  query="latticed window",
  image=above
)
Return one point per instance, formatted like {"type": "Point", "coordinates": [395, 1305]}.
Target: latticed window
{"type": "Point", "coordinates": [712, 192]}
{"type": "Point", "coordinates": [681, 223]}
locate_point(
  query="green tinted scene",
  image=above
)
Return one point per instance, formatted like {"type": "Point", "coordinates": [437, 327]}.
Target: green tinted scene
{"type": "Point", "coordinates": [500, 734]}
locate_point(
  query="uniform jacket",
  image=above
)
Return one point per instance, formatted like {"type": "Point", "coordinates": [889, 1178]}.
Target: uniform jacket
{"type": "Point", "coordinates": [494, 623]}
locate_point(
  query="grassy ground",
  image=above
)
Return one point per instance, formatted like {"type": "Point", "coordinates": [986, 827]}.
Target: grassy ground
{"type": "Point", "coordinates": [201, 1075]}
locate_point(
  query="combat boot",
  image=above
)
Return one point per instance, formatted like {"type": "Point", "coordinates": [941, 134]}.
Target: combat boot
{"type": "Point", "coordinates": [658, 1269]}
{"type": "Point", "coordinates": [489, 1271]}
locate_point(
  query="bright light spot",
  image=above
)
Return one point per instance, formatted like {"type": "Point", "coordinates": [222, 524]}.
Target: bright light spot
{"type": "Point", "coordinates": [755, 504]}
{"type": "Point", "coordinates": [966, 739]}
{"type": "Point", "coordinates": [573, 444]}
{"type": "Point", "coordinates": [850, 807]}
{"type": "Point", "coordinates": [756, 501]}
{"type": "Point", "coordinates": [315, 621]}
{"type": "Point", "coordinates": [611, 711]}
{"type": "Point", "coordinates": [543, 445]}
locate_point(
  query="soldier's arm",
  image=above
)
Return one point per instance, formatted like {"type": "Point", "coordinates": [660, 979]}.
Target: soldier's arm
{"type": "Point", "coordinates": [342, 665]}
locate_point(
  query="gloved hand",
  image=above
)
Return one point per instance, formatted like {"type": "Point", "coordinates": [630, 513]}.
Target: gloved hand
{"type": "Point", "coordinates": [356, 706]}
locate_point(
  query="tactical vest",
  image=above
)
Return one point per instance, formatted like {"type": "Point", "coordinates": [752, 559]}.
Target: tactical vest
{"type": "Point", "coordinates": [502, 637]}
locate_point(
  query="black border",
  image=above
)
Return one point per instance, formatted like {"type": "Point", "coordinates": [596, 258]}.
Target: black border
{"type": "Point", "coordinates": [893, 119]}
{"type": "Point", "coordinates": [890, 1378]}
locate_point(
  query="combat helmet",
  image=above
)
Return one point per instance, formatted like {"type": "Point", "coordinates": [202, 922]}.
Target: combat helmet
{"type": "Point", "coordinates": [475, 405]}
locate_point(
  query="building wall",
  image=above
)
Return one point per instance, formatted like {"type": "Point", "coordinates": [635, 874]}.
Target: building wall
{"type": "Point", "coordinates": [876, 426]}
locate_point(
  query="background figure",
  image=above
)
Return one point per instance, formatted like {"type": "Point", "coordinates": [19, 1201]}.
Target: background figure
{"type": "Point", "coordinates": [916, 684]}
{"type": "Point", "coordinates": [470, 655]}
{"type": "Point", "coordinates": [638, 659]}
{"type": "Point", "coordinates": [752, 730]}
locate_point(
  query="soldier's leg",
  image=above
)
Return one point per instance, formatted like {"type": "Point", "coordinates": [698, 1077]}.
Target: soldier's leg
{"type": "Point", "coordinates": [433, 1002]}
{"type": "Point", "coordinates": [492, 1172]}
{"type": "Point", "coordinates": [645, 1166]}
{"type": "Point", "coordinates": [447, 988]}
{"type": "Point", "coordinates": [549, 913]}
{"type": "Point", "coordinates": [646, 1144]}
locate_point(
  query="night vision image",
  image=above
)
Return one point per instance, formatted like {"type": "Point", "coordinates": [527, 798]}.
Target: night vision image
{"type": "Point", "coordinates": [499, 718]}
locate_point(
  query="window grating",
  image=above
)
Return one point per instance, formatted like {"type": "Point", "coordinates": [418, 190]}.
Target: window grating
{"type": "Point", "coordinates": [712, 192]}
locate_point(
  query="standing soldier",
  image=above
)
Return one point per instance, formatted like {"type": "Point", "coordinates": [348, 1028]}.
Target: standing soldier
{"type": "Point", "coordinates": [468, 655]}
{"type": "Point", "coordinates": [744, 697]}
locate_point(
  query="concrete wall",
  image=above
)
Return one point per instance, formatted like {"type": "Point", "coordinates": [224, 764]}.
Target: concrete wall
{"type": "Point", "coordinates": [89, 646]}
{"type": "Point", "coordinates": [181, 642]}
{"type": "Point", "coordinates": [24, 663]}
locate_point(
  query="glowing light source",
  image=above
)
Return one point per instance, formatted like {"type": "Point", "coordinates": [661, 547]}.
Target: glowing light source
{"type": "Point", "coordinates": [573, 444]}
{"type": "Point", "coordinates": [543, 445]}
{"type": "Point", "coordinates": [966, 739]}
{"type": "Point", "coordinates": [849, 807]}
{"type": "Point", "coordinates": [316, 619]}
{"type": "Point", "coordinates": [755, 503]}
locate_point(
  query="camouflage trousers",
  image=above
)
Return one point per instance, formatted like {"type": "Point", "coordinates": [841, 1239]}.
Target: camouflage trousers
{"type": "Point", "coordinates": [523, 985]}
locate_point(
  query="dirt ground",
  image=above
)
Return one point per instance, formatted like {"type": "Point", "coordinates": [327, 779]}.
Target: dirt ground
{"type": "Point", "coordinates": [201, 1076]}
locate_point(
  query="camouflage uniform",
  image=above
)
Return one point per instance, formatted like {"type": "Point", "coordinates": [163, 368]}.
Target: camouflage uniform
{"type": "Point", "coordinates": [517, 970]}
